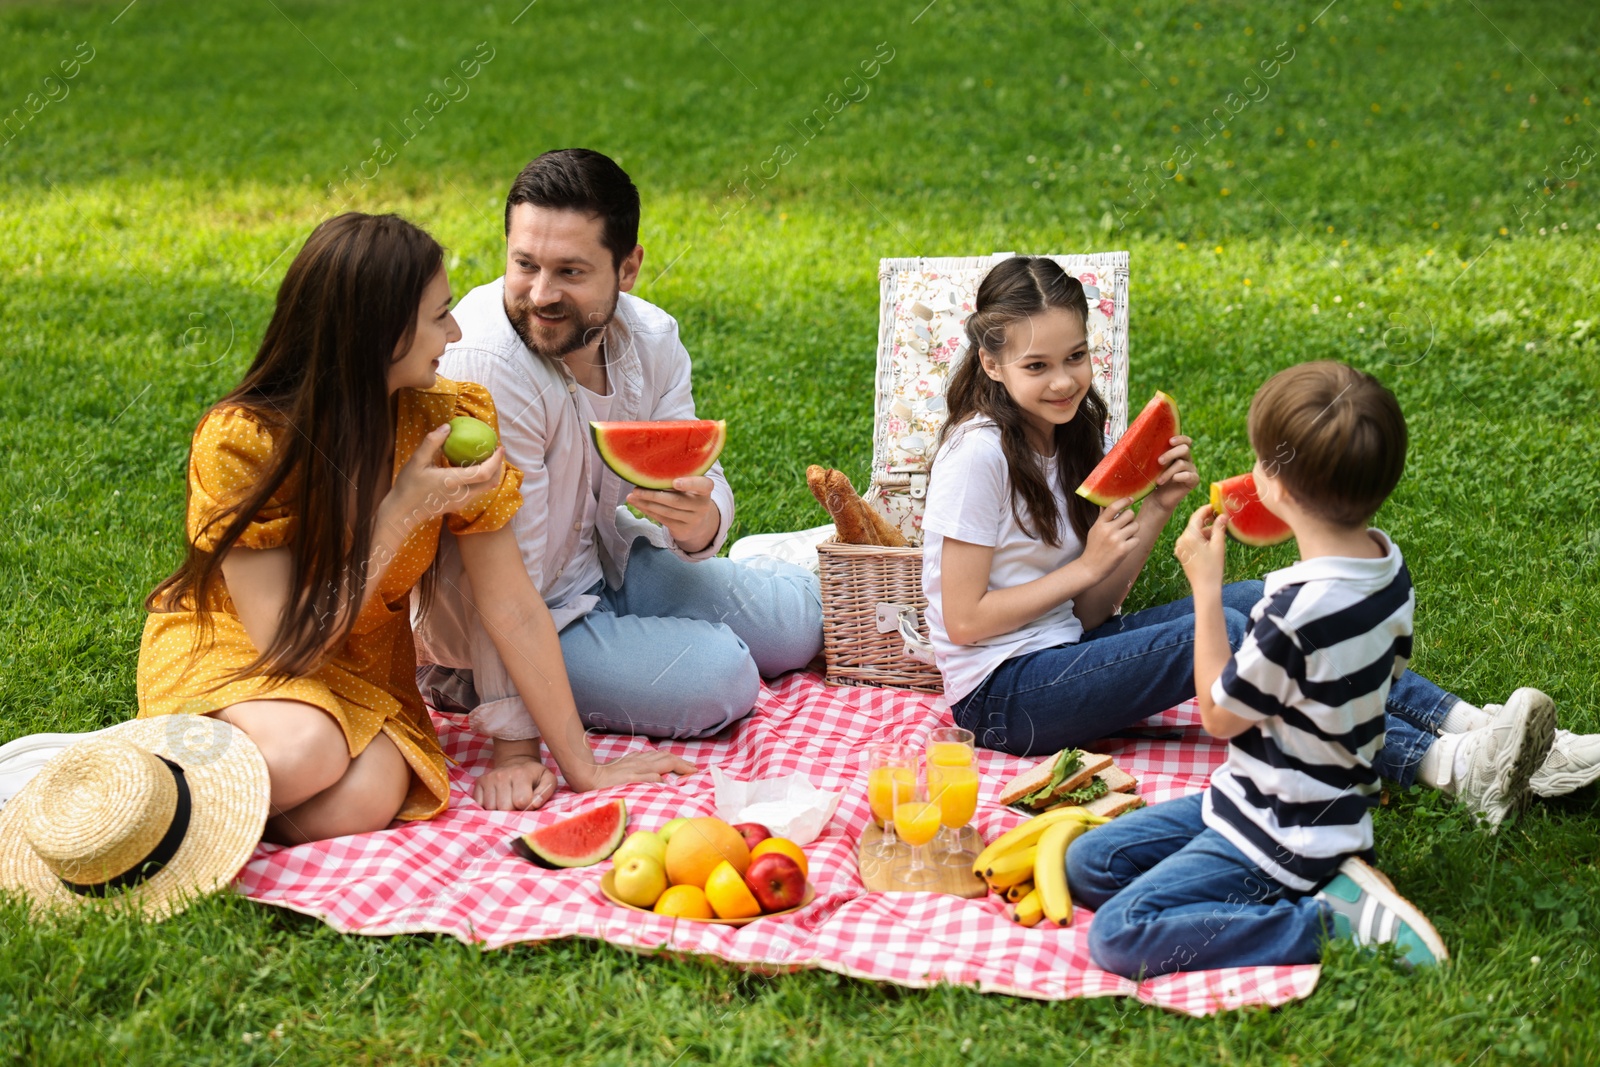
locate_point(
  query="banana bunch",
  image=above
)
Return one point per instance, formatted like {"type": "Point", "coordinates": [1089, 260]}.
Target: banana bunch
{"type": "Point", "coordinates": [1028, 864]}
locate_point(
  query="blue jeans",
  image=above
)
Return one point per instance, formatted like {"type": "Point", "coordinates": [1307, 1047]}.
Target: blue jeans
{"type": "Point", "coordinates": [1133, 666]}
{"type": "Point", "coordinates": [1171, 894]}
{"type": "Point", "coordinates": [679, 650]}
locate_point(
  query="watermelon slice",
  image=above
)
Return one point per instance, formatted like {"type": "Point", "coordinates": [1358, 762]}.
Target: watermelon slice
{"type": "Point", "coordinates": [652, 454]}
{"type": "Point", "coordinates": [1249, 521]}
{"type": "Point", "coordinates": [1132, 466]}
{"type": "Point", "coordinates": [580, 841]}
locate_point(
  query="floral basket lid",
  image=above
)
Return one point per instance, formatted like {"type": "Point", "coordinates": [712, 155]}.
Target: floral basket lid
{"type": "Point", "coordinates": [923, 309]}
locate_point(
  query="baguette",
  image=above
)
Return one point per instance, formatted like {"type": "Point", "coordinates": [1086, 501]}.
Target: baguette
{"type": "Point", "coordinates": [887, 533]}
{"type": "Point", "coordinates": [817, 482]}
{"type": "Point", "coordinates": [849, 513]}
{"type": "Point", "coordinates": [857, 522]}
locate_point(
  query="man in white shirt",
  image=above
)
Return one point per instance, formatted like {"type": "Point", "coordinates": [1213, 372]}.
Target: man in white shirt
{"type": "Point", "coordinates": [659, 636]}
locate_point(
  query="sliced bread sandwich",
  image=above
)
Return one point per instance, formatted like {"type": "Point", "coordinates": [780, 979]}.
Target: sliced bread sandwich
{"type": "Point", "coordinates": [1074, 777]}
{"type": "Point", "coordinates": [1113, 804]}
{"type": "Point", "coordinates": [1069, 778]}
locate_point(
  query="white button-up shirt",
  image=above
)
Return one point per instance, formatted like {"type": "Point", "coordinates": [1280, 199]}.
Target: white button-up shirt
{"type": "Point", "coordinates": [547, 437]}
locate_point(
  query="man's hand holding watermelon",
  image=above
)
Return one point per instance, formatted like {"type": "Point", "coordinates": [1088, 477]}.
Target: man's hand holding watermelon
{"type": "Point", "coordinates": [686, 510]}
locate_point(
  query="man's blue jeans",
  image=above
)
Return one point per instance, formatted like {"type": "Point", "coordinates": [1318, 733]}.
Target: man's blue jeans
{"type": "Point", "coordinates": [1170, 894]}
{"type": "Point", "coordinates": [1130, 668]}
{"type": "Point", "coordinates": [680, 648]}
{"type": "Point", "coordinates": [678, 651]}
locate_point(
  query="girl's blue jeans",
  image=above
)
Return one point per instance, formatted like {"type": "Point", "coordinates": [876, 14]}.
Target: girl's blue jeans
{"type": "Point", "coordinates": [1124, 671]}
{"type": "Point", "coordinates": [1171, 894]}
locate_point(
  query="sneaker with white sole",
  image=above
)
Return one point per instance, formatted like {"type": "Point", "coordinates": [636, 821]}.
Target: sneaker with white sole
{"type": "Point", "coordinates": [1573, 762]}
{"type": "Point", "coordinates": [1501, 758]}
{"type": "Point", "coordinates": [799, 547]}
{"type": "Point", "coordinates": [1365, 907]}
{"type": "Point", "coordinates": [23, 758]}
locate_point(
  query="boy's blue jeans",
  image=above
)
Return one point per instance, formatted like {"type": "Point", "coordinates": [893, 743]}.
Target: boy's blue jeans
{"type": "Point", "coordinates": [1170, 894]}
{"type": "Point", "coordinates": [1133, 666]}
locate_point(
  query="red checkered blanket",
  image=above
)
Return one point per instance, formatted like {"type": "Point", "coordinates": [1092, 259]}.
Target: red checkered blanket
{"type": "Point", "coordinates": [456, 874]}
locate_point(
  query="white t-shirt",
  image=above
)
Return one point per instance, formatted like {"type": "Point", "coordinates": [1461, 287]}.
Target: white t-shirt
{"type": "Point", "coordinates": [585, 570]}
{"type": "Point", "coordinates": [969, 499]}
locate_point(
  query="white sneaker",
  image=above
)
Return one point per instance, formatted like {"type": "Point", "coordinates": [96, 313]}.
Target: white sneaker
{"type": "Point", "coordinates": [799, 548]}
{"type": "Point", "coordinates": [23, 758]}
{"type": "Point", "coordinates": [1501, 757]}
{"type": "Point", "coordinates": [1573, 762]}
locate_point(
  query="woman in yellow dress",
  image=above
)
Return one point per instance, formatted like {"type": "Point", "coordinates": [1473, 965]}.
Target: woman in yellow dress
{"type": "Point", "coordinates": [316, 495]}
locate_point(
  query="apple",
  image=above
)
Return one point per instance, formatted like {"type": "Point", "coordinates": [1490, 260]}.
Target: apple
{"type": "Point", "coordinates": [640, 881]}
{"type": "Point", "coordinates": [776, 880]}
{"type": "Point", "coordinates": [642, 843]}
{"type": "Point", "coordinates": [471, 441]}
{"type": "Point", "coordinates": [666, 832]}
{"type": "Point", "coordinates": [754, 833]}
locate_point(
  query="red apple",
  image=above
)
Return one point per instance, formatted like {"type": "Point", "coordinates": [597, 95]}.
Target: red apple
{"type": "Point", "coordinates": [754, 833]}
{"type": "Point", "coordinates": [776, 880]}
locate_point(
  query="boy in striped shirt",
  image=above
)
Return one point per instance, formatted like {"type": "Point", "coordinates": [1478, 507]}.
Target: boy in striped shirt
{"type": "Point", "coordinates": [1270, 861]}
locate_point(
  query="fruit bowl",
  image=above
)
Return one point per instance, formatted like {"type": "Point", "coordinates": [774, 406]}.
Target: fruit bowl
{"type": "Point", "coordinates": [609, 890]}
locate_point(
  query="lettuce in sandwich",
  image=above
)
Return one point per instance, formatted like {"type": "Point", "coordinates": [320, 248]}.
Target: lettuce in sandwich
{"type": "Point", "coordinates": [1067, 764]}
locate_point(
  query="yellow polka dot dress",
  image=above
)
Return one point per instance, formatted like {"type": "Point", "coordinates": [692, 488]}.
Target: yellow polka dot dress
{"type": "Point", "coordinates": [369, 685]}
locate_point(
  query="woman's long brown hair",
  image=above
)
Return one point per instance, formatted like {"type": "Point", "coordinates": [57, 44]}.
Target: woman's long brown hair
{"type": "Point", "coordinates": [319, 382]}
{"type": "Point", "coordinates": [1012, 291]}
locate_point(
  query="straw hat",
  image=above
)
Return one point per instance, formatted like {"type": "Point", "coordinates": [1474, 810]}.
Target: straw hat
{"type": "Point", "coordinates": [153, 812]}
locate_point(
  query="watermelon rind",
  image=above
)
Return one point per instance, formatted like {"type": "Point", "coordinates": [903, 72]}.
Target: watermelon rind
{"type": "Point", "coordinates": [1261, 528]}
{"type": "Point", "coordinates": [609, 442]}
{"type": "Point", "coordinates": [582, 840]}
{"type": "Point", "coordinates": [1094, 488]}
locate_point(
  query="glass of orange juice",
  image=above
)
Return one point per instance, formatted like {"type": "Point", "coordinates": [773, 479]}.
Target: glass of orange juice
{"type": "Point", "coordinates": [917, 820]}
{"type": "Point", "coordinates": [891, 776]}
{"type": "Point", "coordinates": [953, 785]}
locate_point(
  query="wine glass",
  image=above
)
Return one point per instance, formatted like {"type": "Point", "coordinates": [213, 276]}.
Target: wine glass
{"type": "Point", "coordinates": [892, 774]}
{"type": "Point", "coordinates": [917, 820]}
{"type": "Point", "coordinates": [953, 785]}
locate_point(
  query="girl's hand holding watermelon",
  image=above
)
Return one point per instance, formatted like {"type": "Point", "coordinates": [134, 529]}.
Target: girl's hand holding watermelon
{"type": "Point", "coordinates": [1112, 537]}
{"type": "Point", "coordinates": [1178, 475]}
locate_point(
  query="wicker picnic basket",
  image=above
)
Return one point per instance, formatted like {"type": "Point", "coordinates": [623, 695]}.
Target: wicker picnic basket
{"type": "Point", "coordinates": [874, 626]}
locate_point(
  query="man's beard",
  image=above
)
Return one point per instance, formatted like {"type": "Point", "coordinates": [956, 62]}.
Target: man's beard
{"type": "Point", "coordinates": [556, 342]}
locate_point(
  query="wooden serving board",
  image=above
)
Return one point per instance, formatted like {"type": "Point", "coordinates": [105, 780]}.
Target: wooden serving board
{"type": "Point", "coordinates": [878, 877]}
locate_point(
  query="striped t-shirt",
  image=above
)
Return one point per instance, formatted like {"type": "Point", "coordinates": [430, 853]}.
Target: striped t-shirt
{"type": "Point", "coordinates": [1326, 641]}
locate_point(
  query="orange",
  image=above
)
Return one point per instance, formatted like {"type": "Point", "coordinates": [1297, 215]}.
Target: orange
{"type": "Point", "coordinates": [699, 845]}
{"type": "Point", "coordinates": [729, 896]}
{"type": "Point", "coordinates": [785, 846]}
{"type": "Point", "coordinates": [684, 902]}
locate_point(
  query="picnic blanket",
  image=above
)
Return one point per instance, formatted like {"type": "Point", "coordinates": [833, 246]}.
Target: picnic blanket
{"type": "Point", "coordinates": [456, 874]}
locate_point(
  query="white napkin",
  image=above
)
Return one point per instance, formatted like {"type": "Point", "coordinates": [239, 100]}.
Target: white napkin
{"type": "Point", "coordinates": [790, 806]}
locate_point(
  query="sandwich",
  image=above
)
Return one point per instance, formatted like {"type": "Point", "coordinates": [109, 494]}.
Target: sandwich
{"type": "Point", "coordinates": [1074, 777]}
{"type": "Point", "coordinates": [1067, 779]}
{"type": "Point", "coordinates": [1113, 804]}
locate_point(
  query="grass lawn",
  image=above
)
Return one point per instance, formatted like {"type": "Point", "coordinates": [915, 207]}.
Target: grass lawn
{"type": "Point", "coordinates": [1409, 186]}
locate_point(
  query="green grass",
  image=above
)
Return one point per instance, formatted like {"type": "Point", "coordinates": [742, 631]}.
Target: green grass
{"type": "Point", "coordinates": [1376, 197]}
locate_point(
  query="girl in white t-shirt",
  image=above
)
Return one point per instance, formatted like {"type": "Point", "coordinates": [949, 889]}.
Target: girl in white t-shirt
{"type": "Point", "coordinates": [1024, 577]}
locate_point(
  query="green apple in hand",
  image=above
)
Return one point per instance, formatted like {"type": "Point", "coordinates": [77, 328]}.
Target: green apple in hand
{"type": "Point", "coordinates": [471, 441]}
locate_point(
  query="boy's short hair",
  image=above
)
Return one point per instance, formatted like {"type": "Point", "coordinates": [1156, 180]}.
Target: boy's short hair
{"type": "Point", "coordinates": [1334, 434]}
